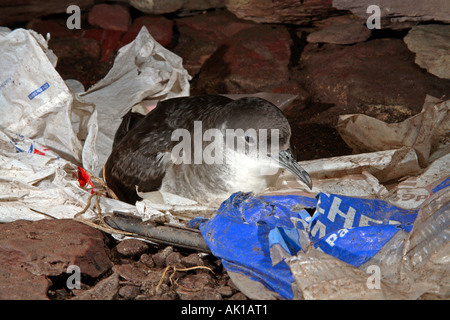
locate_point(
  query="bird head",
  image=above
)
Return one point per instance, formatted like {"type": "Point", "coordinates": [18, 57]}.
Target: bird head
{"type": "Point", "coordinates": [256, 132]}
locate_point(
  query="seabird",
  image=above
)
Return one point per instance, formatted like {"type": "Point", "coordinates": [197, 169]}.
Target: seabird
{"type": "Point", "coordinates": [148, 150]}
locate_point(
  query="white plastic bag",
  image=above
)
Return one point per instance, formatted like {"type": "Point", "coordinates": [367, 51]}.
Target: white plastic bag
{"type": "Point", "coordinates": [36, 103]}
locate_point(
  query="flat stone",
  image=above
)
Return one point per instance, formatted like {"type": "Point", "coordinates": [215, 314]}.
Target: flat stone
{"type": "Point", "coordinates": [13, 12]}
{"type": "Point", "coordinates": [164, 6]}
{"type": "Point", "coordinates": [48, 247]}
{"type": "Point", "coordinates": [347, 33]}
{"type": "Point", "coordinates": [339, 19]}
{"type": "Point", "coordinates": [16, 282]}
{"type": "Point", "coordinates": [431, 44]}
{"type": "Point", "coordinates": [30, 251]}
{"type": "Point", "coordinates": [197, 287]}
{"type": "Point", "coordinates": [201, 35]}
{"type": "Point", "coordinates": [287, 11]}
{"type": "Point", "coordinates": [73, 50]}
{"type": "Point", "coordinates": [255, 60]}
{"type": "Point", "coordinates": [110, 17]}
{"type": "Point", "coordinates": [131, 247]}
{"type": "Point", "coordinates": [53, 27]}
{"type": "Point", "coordinates": [153, 279]}
{"type": "Point", "coordinates": [354, 79]}
{"type": "Point", "coordinates": [106, 289]}
{"type": "Point", "coordinates": [399, 11]}
{"type": "Point", "coordinates": [159, 27]}
{"type": "Point", "coordinates": [130, 273]}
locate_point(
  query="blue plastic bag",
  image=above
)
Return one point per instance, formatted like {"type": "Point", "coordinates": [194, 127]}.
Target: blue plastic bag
{"type": "Point", "coordinates": [253, 234]}
{"type": "Point", "coordinates": [355, 229]}
{"type": "Point", "coordinates": [239, 235]}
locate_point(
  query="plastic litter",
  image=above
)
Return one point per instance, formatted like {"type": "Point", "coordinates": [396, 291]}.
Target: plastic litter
{"type": "Point", "coordinates": [270, 239]}
{"type": "Point", "coordinates": [50, 131]}
{"type": "Point", "coordinates": [359, 225]}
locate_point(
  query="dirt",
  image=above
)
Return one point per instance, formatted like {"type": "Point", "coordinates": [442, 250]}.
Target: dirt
{"type": "Point", "coordinates": [153, 273]}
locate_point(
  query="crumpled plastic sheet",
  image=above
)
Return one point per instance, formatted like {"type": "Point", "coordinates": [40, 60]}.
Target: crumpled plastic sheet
{"type": "Point", "coordinates": [80, 127]}
{"type": "Point", "coordinates": [142, 70]}
{"type": "Point", "coordinates": [274, 241]}
{"type": "Point", "coordinates": [36, 103]}
{"type": "Point", "coordinates": [49, 134]}
{"type": "Point", "coordinates": [272, 247]}
{"type": "Point", "coordinates": [422, 132]}
{"type": "Point", "coordinates": [410, 265]}
{"type": "Point", "coordinates": [36, 183]}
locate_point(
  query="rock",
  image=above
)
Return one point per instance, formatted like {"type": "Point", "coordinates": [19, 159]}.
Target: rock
{"type": "Point", "coordinates": [106, 289]}
{"type": "Point", "coordinates": [215, 26]}
{"type": "Point", "coordinates": [109, 17]}
{"type": "Point", "coordinates": [200, 294]}
{"type": "Point", "coordinates": [197, 281]}
{"type": "Point", "coordinates": [147, 260]}
{"type": "Point", "coordinates": [238, 296]}
{"type": "Point", "coordinates": [174, 259]}
{"type": "Point", "coordinates": [431, 44]}
{"type": "Point", "coordinates": [129, 292]}
{"type": "Point", "coordinates": [130, 273]}
{"type": "Point", "coordinates": [255, 60]}
{"type": "Point", "coordinates": [78, 56]}
{"type": "Point", "coordinates": [197, 287]}
{"type": "Point", "coordinates": [72, 51]}
{"type": "Point", "coordinates": [109, 41]}
{"type": "Point", "coordinates": [159, 27]}
{"type": "Point", "coordinates": [350, 79]}
{"type": "Point", "coordinates": [399, 11]}
{"type": "Point", "coordinates": [30, 251]}
{"type": "Point", "coordinates": [201, 35]}
{"type": "Point", "coordinates": [131, 248]}
{"type": "Point", "coordinates": [347, 33]}
{"type": "Point", "coordinates": [160, 257]}
{"type": "Point", "coordinates": [94, 33]}
{"type": "Point", "coordinates": [153, 279]}
{"type": "Point", "coordinates": [192, 260]}
{"type": "Point", "coordinates": [60, 294]}
{"type": "Point", "coordinates": [340, 19]}
{"type": "Point", "coordinates": [55, 28]}
{"type": "Point", "coordinates": [48, 247]}
{"type": "Point", "coordinates": [13, 12]}
{"type": "Point", "coordinates": [225, 291]}
{"type": "Point", "coordinates": [16, 282]}
{"type": "Point", "coordinates": [164, 6]}
{"type": "Point", "coordinates": [287, 11]}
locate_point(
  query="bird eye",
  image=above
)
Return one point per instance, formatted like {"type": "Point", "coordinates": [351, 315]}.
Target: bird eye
{"type": "Point", "coordinates": [249, 139]}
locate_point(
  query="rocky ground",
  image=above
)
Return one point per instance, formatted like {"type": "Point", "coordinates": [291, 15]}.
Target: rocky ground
{"type": "Point", "coordinates": [325, 56]}
{"type": "Point", "coordinates": [35, 259]}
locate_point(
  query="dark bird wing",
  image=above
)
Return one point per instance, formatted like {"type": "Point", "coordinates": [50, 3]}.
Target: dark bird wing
{"type": "Point", "coordinates": [136, 156]}
{"type": "Point", "coordinates": [129, 121]}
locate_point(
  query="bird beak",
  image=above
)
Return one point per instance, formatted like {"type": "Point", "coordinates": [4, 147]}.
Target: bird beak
{"type": "Point", "coordinates": [287, 161]}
